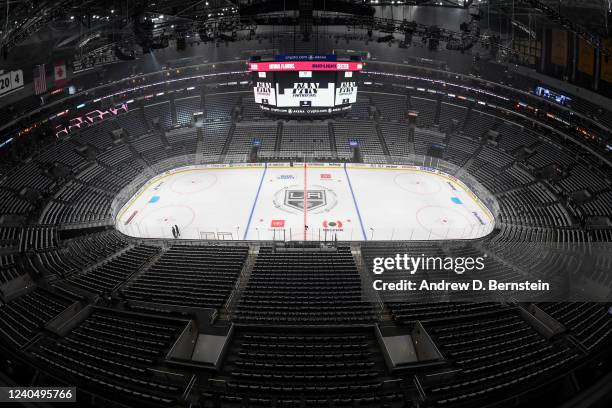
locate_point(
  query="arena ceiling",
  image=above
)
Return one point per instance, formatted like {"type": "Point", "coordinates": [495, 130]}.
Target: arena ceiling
{"type": "Point", "coordinates": [79, 23]}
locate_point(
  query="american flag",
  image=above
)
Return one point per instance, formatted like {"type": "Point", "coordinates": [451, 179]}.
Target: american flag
{"type": "Point", "coordinates": [40, 80]}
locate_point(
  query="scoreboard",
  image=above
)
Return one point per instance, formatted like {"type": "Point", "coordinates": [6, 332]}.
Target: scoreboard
{"type": "Point", "coordinates": [305, 85]}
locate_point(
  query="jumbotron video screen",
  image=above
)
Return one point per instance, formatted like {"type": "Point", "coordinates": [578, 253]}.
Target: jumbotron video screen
{"type": "Point", "coordinates": [305, 84]}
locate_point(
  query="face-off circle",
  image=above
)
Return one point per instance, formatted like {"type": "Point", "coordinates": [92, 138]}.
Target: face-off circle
{"type": "Point", "coordinates": [442, 221]}
{"type": "Point", "coordinates": [417, 183]}
{"type": "Point", "coordinates": [194, 184]}
{"type": "Point", "coordinates": [165, 217]}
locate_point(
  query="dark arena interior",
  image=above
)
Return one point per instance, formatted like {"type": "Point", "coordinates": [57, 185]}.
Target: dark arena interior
{"type": "Point", "coordinates": [306, 203]}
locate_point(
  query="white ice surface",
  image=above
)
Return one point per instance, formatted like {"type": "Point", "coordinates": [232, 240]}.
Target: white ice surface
{"type": "Point", "coordinates": [260, 202]}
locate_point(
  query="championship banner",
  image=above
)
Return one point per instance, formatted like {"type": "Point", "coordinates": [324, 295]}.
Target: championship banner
{"type": "Point", "coordinates": [60, 74]}
{"type": "Point", "coordinates": [606, 63]}
{"type": "Point", "coordinates": [558, 48]}
{"type": "Point", "coordinates": [586, 57]}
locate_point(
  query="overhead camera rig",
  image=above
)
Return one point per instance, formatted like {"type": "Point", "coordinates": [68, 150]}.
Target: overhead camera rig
{"type": "Point", "coordinates": [153, 32]}
{"type": "Point", "coordinates": [462, 40]}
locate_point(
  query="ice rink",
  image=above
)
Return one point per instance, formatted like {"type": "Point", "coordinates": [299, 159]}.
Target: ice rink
{"type": "Point", "coordinates": [334, 201]}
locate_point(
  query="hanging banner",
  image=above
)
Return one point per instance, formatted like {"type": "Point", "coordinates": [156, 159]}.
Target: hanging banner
{"type": "Point", "coordinates": [606, 63]}
{"type": "Point", "coordinates": [558, 48]}
{"type": "Point", "coordinates": [586, 57]}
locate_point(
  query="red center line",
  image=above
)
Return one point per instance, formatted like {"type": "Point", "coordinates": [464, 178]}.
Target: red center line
{"type": "Point", "coordinates": [305, 204]}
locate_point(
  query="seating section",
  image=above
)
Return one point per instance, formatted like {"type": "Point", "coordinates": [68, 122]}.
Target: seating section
{"type": "Point", "coordinates": [524, 207]}
{"type": "Point", "coordinates": [77, 254]}
{"type": "Point", "coordinates": [10, 203]}
{"type": "Point", "coordinates": [479, 124]}
{"type": "Point", "coordinates": [324, 367]}
{"type": "Point", "coordinates": [450, 112]}
{"type": "Point", "coordinates": [133, 123]}
{"type": "Point", "coordinates": [185, 108]}
{"type": "Point", "coordinates": [159, 112]}
{"type": "Point", "coordinates": [513, 137]}
{"type": "Point", "coordinates": [219, 107]}
{"type": "Point", "coordinates": [363, 133]}
{"type": "Point", "coordinates": [98, 135]}
{"type": "Point", "coordinates": [361, 109]}
{"type": "Point", "coordinates": [30, 175]}
{"type": "Point", "coordinates": [304, 287]}
{"type": "Point", "coordinates": [397, 138]}
{"type": "Point", "coordinates": [424, 139]}
{"type": "Point", "coordinates": [9, 236]}
{"type": "Point", "coordinates": [151, 148]}
{"type": "Point", "coordinates": [305, 137]}
{"type": "Point", "coordinates": [23, 318]}
{"type": "Point", "coordinates": [76, 202]}
{"type": "Point", "coordinates": [246, 134]}
{"type": "Point", "coordinates": [581, 177]}
{"type": "Point", "coordinates": [182, 141]}
{"type": "Point", "coordinates": [547, 154]}
{"type": "Point", "coordinates": [460, 149]}
{"type": "Point", "coordinates": [215, 135]}
{"type": "Point", "coordinates": [108, 276]}
{"type": "Point", "coordinates": [391, 107]}
{"type": "Point", "coordinates": [63, 153]}
{"type": "Point", "coordinates": [113, 353]}
{"type": "Point", "coordinates": [205, 281]}
{"type": "Point", "coordinates": [251, 110]}
{"type": "Point", "coordinates": [38, 238]}
{"type": "Point", "coordinates": [115, 155]}
{"type": "Point", "coordinates": [496, 355]}
{"type": "Point", "coordinates": [9, 268]}
{"type": "Point", "coordinates": [589, 323]}
{"type": "Point", "coordinates": [426, 109]}
{"type": "Point", "coordinates": [599, 206]}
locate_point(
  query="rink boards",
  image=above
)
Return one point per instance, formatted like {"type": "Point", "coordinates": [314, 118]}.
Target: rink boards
{"type": "Point", "coordinates": [275, 201]}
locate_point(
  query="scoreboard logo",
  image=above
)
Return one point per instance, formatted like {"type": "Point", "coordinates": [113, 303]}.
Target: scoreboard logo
{"type": "Point", "coordinates": [264, 93]}
{"type": "Point", "coordinates": [305, 89]}
{"type": "Point", "coordinates": [346, 93]}
{"type": "Point", "coordinates": [347, 88]}
{"type": "Point", "coordinates": [264, 88]}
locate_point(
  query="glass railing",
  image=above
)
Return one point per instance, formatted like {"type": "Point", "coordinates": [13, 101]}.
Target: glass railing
{"type": "Point", "coordinates": [355, 232]}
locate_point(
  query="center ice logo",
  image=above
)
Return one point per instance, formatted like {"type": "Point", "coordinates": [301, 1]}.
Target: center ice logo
{"type": "Point", "coordinates": [314, 199]}
{"type": "Point", "coordinates": [319, 199]}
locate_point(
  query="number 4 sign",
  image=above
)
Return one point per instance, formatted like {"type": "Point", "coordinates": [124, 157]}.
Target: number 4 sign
{"type": "Point", "coordinates": [10, 81]}
{"type": "Point", "coordinates": [17, 79]}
